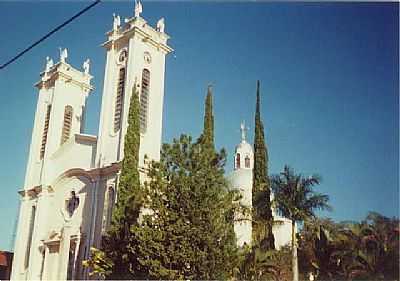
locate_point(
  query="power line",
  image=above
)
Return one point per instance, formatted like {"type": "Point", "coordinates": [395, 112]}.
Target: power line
{"type": "Point", "coordinates": [50, 33]}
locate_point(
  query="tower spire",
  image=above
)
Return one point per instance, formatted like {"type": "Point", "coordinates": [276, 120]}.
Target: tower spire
{"type": "Point", "coordinates": [243, 130]}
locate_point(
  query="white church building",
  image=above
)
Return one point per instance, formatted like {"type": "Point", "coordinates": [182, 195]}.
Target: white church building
{"type": "Point", "coordinates": [71, 178]}
{"type": "Point", "coordinates": [242, 179]}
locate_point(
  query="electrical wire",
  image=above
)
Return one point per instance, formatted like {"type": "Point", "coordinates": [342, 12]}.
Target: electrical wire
{"type": "Point", "coordinates": [54, 30]}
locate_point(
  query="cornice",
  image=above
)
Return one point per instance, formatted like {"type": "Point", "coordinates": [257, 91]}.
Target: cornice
{"type": "Point", "coordinates": [58, 71]}
{"type": "Point", "coordinates": [134, 29]}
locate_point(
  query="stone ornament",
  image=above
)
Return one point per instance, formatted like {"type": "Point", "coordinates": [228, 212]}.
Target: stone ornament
{"type": "Point", "coordinates": [63, 54]}
{"type": "Point", "coordinates": [86, 66]}
{"type": "Point", "coordinates": [161, 25]}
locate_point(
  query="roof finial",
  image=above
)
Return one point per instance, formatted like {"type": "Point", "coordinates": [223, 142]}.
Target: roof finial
{"type": "Point", "coordinates": [86, 66]}
{"type": "Point", "coordinates": [138, 8]}
{"type": "Point", "coordinates": [116, 22]}
{"type": "Point", "coordinates": [49, 64]}
{"type": "Point", "coordinates": [63, 54]}
{"type": "Point", "coordinates": [243, 130]}
{"type": "Point", "coordinates": [161, 25]}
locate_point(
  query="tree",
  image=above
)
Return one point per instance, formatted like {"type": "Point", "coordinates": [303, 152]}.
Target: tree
{"type": "Point", "coordinates": [262, 215]}
{"type": "Point", "coordinates": [320, 249]}
{"type": "Point", "coordinates": [366, 250]}
{"type": "Point", "coordinates": [183, 224]}
{"type": "Point", "coordinates": [207, 137]}
{"type": "Point", "coordinates": [296, 200]}
{"type": "Point", "coordinates": [258, 264]}
{"type": "Point", "coordinates": [372, 248]}
{"type": "Point", "coordinates": [189, 232]}
{"type": "Point", "coordinates": [115, 260]}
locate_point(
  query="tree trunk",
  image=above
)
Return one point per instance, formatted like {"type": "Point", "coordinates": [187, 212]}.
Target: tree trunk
{"type": "Point", "coordinates": [295, 268]}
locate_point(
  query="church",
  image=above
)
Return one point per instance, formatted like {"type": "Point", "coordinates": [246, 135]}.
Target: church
{"type": "Point", "coordinates": [71, 180]}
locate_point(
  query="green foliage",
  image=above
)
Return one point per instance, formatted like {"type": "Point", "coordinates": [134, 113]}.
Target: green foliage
{"type": "Point", "coordinates": [99, 263]}
{"type": "Point", "coordinates": [366, 250]}
{"type": "Point", "coordinates": [258, 264]}
{"type": "Point", "coordinates": [187, 232]}
{"type": "Point", "coordinates": [180, 223]}
{"type": "Point", "coordinates": [207, 137]}
{"type": "Point", "coordinates": [127, 210]}
{"type": "Point", "coordinates": [114, 260]}
{"type": "Point", "coordinates": [296, 200]}
{"type": "Point", "coordinates": [262, 215]}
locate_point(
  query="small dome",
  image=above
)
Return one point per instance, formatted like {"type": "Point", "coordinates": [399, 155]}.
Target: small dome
{"type": "Point", "coordinates": [244, 147]}
{"type": "Point", "coordinates": [243, 153]}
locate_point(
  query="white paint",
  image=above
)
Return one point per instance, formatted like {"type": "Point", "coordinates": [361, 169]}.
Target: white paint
{"type": "Point", "coordinates": [85, 164]}
{"type": "Point", "coordinates": [242, 179]}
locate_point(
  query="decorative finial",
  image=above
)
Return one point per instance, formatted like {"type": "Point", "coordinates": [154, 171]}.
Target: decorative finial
{"type": "Point", "coordinates": [86, 66]}
{"type": "Point", "coordinates": [63, 54]}
{"type": "Point", "coordinates": [209, 88]}
{"type": "Point", "coordinates": [49, 64]}
{"type": "Point", "coordinates": [243, 130]}
{"type": "Point", "coordinates": [161, 25]}
{"type": "Point", "coordinates": [138, 8]}
{"type": "Point", "coordinates": [116, 22]}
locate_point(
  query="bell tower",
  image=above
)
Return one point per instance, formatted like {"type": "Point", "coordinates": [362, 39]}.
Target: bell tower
{"type": "Point", "coordinates": [59, 116]}
{"type": "Point", "coordinates": [242, 180]}
{"type": "Point", "coordinates": [135, 57]}
{"type": "Point", "coordinates": [60, 112]}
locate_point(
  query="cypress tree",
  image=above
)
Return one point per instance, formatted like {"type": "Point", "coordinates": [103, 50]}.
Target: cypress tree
{"type": "Point", "coordinates": [207, 138]}
{"type": "Point", "coordinates": [262, 227]}
{"type": "Point", "coordinates": [125, 214]}
{"type": "Point", "coordinates": [114, 260]}
{"type": "Point", "coordinates": [128, 206]}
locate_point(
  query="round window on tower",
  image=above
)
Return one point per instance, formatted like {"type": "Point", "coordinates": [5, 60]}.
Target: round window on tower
{"type": "Point", "coordinates": [147, 57]}
{"type": "Point", "coordinates": [122, 56]}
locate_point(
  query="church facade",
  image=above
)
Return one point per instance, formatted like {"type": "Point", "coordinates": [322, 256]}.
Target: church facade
{"type": "Point", "coordinates": [71, 179]}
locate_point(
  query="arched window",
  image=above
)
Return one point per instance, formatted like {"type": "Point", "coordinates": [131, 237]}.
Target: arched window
{"type": "Point", "coordinates": [110, 204]}
{"type": "Point", "coordinates": [247, 161]}
{"type": "Point", "coordinates": [45, 130]}
{"type": "Point", "coordinates": [66, 129]}
{"type": "Point", "coordinates": [119, 99]}
{"type": "Point", "coordinates": [144, 100]}
{"type": "Point", "coordinates": [238, 161]}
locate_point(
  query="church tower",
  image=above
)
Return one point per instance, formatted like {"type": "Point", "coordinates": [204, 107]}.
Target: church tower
{"type": "Point", "coordinates": [135, 59]}
{"type": "Point", "coordinates": [242, 180]}
{"type": "Point", "coordinates": [59, 117]}
{"type": "Point", "coordinates": [60, 112]}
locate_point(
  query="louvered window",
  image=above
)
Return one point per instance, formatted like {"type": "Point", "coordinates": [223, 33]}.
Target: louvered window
{"type": "Point", "coordinates": [119, 99]}
{"type": "Point", "coordinates": [45, 130]}
{"type": "Point", "coordinates": [30, 234]}
{"type": "Point", "coordinates": [144, 100]}
{"type": "Point", "coordinates": [66, 130]}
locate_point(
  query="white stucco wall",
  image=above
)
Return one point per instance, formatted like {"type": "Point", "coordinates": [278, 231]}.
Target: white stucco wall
{"type": "Point", "coordinates": [137, 39]}
{"type": "Point", "coordinates": [242, 180]}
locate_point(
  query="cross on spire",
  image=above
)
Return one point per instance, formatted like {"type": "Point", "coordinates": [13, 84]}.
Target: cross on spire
{"type": "Point", "coordinates": [243, 130]}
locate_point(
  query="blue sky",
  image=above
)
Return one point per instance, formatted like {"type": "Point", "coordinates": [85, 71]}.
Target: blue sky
{"type": "Point", "coordinates": [329, 83]}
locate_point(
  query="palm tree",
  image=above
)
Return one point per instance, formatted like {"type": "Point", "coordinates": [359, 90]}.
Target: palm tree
{"type": "Point", "coordinates": [258, 264]}
{"type": "Point", "coordinates": [372, 248]}
{"type": "Point", "coordinates": [296, 200]}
